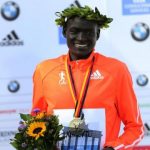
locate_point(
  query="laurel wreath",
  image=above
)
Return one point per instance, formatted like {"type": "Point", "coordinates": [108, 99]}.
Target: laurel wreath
{"type": "Point", "coordinates": [83, 12]}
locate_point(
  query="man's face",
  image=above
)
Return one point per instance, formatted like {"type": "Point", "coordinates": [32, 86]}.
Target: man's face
{"type": "Point", "coordinates": [81, 37]}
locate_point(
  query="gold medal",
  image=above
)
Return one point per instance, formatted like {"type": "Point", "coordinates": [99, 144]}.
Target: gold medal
{"type": "Point", "coordinates": [78, 123]}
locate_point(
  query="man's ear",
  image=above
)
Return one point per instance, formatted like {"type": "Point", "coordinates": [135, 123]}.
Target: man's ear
{"type": "Point", "coordinates": [98, 34]}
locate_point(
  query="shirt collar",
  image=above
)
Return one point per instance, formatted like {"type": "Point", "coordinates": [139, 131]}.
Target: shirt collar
{"type": "Point", "coordinates": [81, 63]}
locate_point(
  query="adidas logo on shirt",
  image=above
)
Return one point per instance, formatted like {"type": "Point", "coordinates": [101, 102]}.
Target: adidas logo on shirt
{"type": "Point", "coordinates": [11, 39]}
{"type": "Point", "coordinates": [96, 75]}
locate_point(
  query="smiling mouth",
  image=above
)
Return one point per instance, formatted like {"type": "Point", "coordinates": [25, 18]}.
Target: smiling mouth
{"type": "Point", "coordinates": [80, 45]}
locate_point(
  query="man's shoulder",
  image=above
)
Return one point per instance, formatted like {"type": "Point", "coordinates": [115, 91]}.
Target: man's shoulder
{"type": "Point", "coordinates": [106, 60]}
{"type": "Point", "coordinates": [111, 65]}
{"type": "Point", "coordinates": [52, 62]}
{"type": "Point", "coordinates": [48, 65]}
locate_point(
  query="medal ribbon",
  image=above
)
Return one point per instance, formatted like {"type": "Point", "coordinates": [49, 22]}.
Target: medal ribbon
{"type": "Point", "coordinates": [78, 102]}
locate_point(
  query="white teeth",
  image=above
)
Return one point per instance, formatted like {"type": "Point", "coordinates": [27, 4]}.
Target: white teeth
{"type": "Point", "coordinates": [80, 45]}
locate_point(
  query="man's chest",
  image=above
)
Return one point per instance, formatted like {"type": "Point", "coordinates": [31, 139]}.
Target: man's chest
{"type": "Point", "coordinates": [100, 89]}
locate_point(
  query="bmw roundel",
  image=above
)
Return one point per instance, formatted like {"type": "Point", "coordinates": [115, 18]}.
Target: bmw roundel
{"type": "Point", "coordinates": [10, 10]}
{"type": "Point", "coordinates": [142, 80]}
{"type": "Point", "coordinates": [140, 31]}
{"type": "Point", "coordinates": [13, 86]}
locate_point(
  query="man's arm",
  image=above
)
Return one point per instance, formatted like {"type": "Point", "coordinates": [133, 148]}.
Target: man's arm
{"type": "Point", "coordinates": [129, 114]}
{"type": "Point", "coordinates": [38, 100]}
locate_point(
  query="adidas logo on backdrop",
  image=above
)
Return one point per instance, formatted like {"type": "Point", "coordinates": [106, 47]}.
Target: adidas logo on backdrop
{"type": "Point", "coordinates": [96, 75]}
{"type": "Point", "coordinates": [11, 39]}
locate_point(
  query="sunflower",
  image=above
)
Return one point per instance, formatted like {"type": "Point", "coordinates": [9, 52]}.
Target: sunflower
{"type": "Point", "coordinates": [40, 115]}
{"type": "Point", "coordinates": [36, 129]}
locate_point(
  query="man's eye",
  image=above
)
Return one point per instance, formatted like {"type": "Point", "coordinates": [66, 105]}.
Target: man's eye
{"type": "Point", "coordinates": [89, 33]}
{"type": "Point", "coordinates": [73, 31]}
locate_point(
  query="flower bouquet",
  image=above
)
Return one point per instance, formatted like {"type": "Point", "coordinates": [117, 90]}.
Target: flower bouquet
{"type": "Point", "coordinates": [39, 131]}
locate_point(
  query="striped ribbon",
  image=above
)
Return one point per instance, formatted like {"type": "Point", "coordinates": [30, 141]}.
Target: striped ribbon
{"type": "Point", "coordinates": [78, 102]}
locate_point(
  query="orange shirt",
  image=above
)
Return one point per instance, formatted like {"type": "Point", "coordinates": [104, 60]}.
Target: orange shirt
{"type": "Point", "coordinates": [110, 88]}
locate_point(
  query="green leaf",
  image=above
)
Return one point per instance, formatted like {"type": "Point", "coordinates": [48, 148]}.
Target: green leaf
{"type": "Point", "coordinates": [18, 136]}
{"type": "Point", "coordinates": [25, 117]}
{"type": "Point", "coordinates": [30, 148]}
{"type": "Point", "coordinates": [14, 144]}
{"type": "Point", "coordinates": [85, 12]}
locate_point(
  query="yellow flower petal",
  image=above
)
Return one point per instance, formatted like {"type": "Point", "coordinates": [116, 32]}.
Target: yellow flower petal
{"type": "Point", "coordinates": [40, 115]}
{"type": "Point", "coordinates": [36, 129]}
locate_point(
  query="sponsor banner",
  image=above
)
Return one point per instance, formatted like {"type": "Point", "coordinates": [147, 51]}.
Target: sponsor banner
{"type": "Point", "coordinates": [135, 7]}
{"type": "Point", "coordinates": [145, 111]}
{"type": "Point", "coordinates": [141, 87]}
{"type": "Point", "coordinates": [5, 136]}
{"type": "Point", "coordinates": [15, 86]}
{"type": "Point", "coordinates": [140, 31]}
{"type": "Point", "coordinates": [11, 39]}
{"type": "Point", "coordinates": [62, 40]}
{"type": "Point", "coordinates": [10, 10]}
{"type": "Point", "coordinates": [28, 37]}
{"type": "Point", "coordinates": [9, 119]}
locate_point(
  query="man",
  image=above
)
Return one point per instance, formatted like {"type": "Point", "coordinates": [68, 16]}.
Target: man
{"type": "Point", "coordinates": [84, 84]}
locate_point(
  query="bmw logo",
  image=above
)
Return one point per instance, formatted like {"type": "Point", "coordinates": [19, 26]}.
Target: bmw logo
{"type": "Point", "coordinates": [10, 11]}
{"type": "Point", "coordinates": [140, 32]}
{"type": "Point", "coordinates": [142, 80]}
{"type": "Point", "coordinates": [13, 86]}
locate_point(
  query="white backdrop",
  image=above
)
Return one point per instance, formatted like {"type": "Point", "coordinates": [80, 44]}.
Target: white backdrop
{"type": "Point", "coordinates": [40, 38]}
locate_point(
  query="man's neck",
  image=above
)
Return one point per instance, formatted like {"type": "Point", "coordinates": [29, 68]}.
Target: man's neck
{"type": "Point", "coordinates": [74, 58]}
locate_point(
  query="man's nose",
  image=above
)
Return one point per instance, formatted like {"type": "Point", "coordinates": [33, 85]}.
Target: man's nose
{"type": "Point", "coordinates": [81, 36]}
